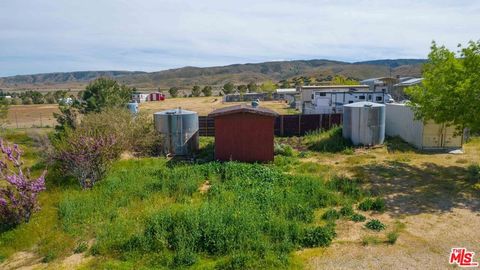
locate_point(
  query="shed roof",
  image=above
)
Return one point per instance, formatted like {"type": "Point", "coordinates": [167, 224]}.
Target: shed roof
{"type": "Point", "coordinates": [242, 108]}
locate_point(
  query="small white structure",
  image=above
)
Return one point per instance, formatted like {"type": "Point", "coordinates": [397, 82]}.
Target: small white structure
{"type": "Point", "coordinates": [424, 135]}
{"type": "Point", "coordinates": [140, 97]}
{"type": "Point", "coordinates": [65, 101]}
{"type": "Point", "coordinates": [331, 98]}
{"type": "Point", "coordinates": [364, 123]}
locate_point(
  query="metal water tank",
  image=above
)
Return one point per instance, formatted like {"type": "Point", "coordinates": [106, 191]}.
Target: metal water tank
{"type": "Point", "coordinates": [364, 123]}
{"type": "Point", "coordinates": [179, 129]}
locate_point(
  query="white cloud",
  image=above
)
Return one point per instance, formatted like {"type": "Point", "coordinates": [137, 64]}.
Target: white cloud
{"type": "Point", "coordinates": [51, 35]}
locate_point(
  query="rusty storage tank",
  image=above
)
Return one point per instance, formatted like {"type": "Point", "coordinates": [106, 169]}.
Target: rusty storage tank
{"type": "Point", "coordinates": [179, 129]}
{"type": "Point", "coordinates": [364, 123]}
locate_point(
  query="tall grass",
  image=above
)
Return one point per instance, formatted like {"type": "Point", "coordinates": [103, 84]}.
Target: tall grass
{"type": "Point", "coordinates": [253, 216]}
{"type": "Point", "coordinates": [330, 141]}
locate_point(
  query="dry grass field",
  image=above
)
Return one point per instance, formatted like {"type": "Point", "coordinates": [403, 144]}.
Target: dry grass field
{"type": "Point", "coordinates": [28, 116]}
{"type": "Point", "coordinates": [429, 200]}
{"type": "Point", "coordinates": [32, 116]}
{"type": "Point", "coordinates": [205, 105]}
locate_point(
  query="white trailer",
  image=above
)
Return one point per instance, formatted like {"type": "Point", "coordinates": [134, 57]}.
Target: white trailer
{"type": "Point", "coordinates": [425, 135]}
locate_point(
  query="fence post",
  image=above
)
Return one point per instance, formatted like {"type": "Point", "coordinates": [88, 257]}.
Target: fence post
{"type": "Point", "coordinates": [299, 125]}
{"type": "Point", "coordinates": [281, 125]}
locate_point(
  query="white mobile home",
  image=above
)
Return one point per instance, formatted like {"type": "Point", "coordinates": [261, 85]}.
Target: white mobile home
{"type": "Point", "coordinates": [331, 98]}
{"type": "Point", "coordinates": [425, 135]}
{"type": "Point", "coordinates": [140, 97]}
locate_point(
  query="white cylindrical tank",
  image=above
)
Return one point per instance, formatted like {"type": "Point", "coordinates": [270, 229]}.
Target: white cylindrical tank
{"type": "Point", "coordinates": [179, 130]}
{"type": "Point", "coordinates": [364, 123]}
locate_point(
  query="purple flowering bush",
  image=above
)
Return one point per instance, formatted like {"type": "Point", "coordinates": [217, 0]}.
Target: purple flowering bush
{"type": "Point", "coordinates": [85, 156]}
{"type": "Point", "coordinates": [18, 191]}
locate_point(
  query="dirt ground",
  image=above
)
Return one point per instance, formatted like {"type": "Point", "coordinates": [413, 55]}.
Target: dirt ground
{"type": "Point", "coordinates": [28, 116]}
{"type": "Point", "coordinates": [427, 196]}
{"type": "Point", "coordinates": [205, 105]}
{"type": "Point", "coordinates": [34, 116]}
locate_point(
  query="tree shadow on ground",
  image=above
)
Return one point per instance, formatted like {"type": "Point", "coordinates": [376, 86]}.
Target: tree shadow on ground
{"type": "Point", "coordinates": [427, 188]}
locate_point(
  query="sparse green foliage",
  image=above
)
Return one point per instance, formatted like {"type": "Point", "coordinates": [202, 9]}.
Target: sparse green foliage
{"type": "Point", "coordinates": [4, 106]}
{"type": "Point", "coordinates": [228, 88]}
{"type": "Point", "coordinates": [370, 240]}
{"type": "Point", "coordinates": [252, 87]}
{"type": "Point", "coordinates": [331, 214]}
{"type": "Point", "coordinates": [283, 149]}
{"type": "Point", "coordinates": [268, 87]}
{"type": "Point", "coordinates": [358, 217]}
{"type": "Point", "coordinates": [369, 204]}
{"type": "Point", "coordinates": [242, 89]}
{"type": "Point", "coordinates": [392, 237]}
{"type": "Point", "coordinates": [375, 225]}
{"type": "Point", "coordinates": [346, 211]}
{"type": "Point", "coordinates": [173, 91]}
{"type": "Point", "coordinates": [196, 91]}
{"type": "Point", "coordinates": [450, 90]}
{"type": "Point", "coordinates": [207, 91]}
{"type": "Point", "coordinates": [342, 80]}
{"type": "Point", "coordinates": [330, 141]}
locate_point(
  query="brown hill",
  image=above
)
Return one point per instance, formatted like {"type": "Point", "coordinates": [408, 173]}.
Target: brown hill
{"type": "Point", "coordinates": [239, 73]}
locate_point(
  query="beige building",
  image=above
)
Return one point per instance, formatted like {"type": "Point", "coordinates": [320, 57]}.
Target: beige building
{"type": "Point", "coordinates": [400, 121]}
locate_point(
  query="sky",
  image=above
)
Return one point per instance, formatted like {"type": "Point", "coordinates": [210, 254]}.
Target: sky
{"type": "Point", "coordinates": [40, 36]}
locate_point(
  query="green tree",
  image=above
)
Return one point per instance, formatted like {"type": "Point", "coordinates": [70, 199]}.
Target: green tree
{"type": "Point", "coordinates": [285, 84]}
{"type": "Point", "coordinates": [252, 87]}
{"type": "Point", "coordinates": [27, 101]}
{"type": "Point", "coordinates": [105, 93]}
{"type": "Point", "coordinates": [173, 91]}
{"type": "Point", "coordinates": [342, 80]}
{"type": "Point", "coordinates": [228, 88]}
{"type": "Point", "coordinates": [268, 87]}
{"type": "Point", "coordinates": [242, 89]}
{"type": "Point", "coordinates": [450, 90]}
{"type": "Point", "coordinates": [196, 91]}
{"type": "Point", "coordinates": [207, 91]}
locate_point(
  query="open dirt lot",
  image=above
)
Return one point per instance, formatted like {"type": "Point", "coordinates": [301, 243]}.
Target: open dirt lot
{"type": "Point", "coordinates": [429, 202]}
{"type": "Point", "coordinates": [28, 116]}
{"type": "Point", "coordinates": [205, 105]}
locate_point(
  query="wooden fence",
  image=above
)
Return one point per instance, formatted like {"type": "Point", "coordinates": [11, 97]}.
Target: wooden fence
{"type": "Point", "coordinates": [285, 125]}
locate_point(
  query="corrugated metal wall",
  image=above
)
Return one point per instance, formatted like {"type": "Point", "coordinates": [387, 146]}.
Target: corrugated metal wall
{"type": "Point", "coordinates": [244, 137]}
{"type": "Point", "coordinates": [285, 125]}
{"type": "Point", "coordinates": [400, 121]}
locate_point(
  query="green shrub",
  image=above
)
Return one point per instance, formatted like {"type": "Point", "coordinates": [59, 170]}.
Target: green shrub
{"type": "Point", "coordinates": [331, 214]}
{"type": "Point", "coordinates": [49, 257]}
{"type": "Point", "coordinates": [369, 204]}
{"type": "Point", "coordinates": [358, 217]}
{"type": "Point", "coordinates": [392, 237]}
{"type": "Point", "coordinates": [375, 225]}
{"type": "Point", "coordinates": [346, 211]}
{"type": "Point", "coordinates": [370, 240]}
{"type": "Point", "coordinates": [82, 247]}
{"type": "Point", "coordinates": [283, 150]}
{"type": "Point", "coordinates": [318, 236]}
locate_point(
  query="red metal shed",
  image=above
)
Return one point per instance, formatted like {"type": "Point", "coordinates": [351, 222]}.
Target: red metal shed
{"type": "Point", "coordinates": [244, 133]}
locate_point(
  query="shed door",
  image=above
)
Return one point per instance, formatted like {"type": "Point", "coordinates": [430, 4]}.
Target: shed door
{"type": "Point", "coordinates": [449, 138]}
{"type": "Point", "coordinates": [432, 135]}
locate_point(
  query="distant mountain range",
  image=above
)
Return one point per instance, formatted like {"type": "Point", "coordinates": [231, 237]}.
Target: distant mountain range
{"type": "Point", "coordinates": [186, 77]}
